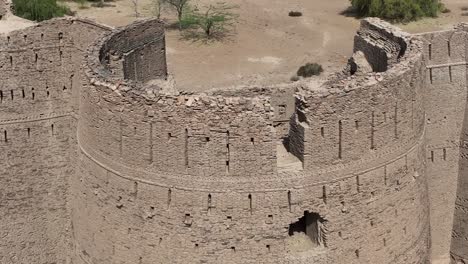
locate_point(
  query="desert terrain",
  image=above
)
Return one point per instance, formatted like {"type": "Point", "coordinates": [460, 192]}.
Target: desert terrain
{"type": "Point", "coordinates": [267, 46]}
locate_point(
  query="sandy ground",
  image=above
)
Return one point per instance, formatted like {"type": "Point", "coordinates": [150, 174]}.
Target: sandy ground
{"type": "Point", "coordinates": [10, 23]}
{"type": "Point", "coordinates": [267, 46]}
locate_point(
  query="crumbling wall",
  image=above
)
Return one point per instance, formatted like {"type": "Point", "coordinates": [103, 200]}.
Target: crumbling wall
{"type": "Point", "coordinates": [138, 52]}
{"type": "Point", "coordinates": [371, 129]}
{"type": "Point", "coordinates": [194, 178]}
{"type": "Point", "coordinates": [445, 100]}
{"type": "Point", "coordinates": [381, 46]}
{"type": "Point", "coordinates": [37, 125]}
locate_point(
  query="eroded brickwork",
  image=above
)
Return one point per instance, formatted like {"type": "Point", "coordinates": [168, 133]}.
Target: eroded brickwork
{"type": "Point", "coordinates": [40, 83]}
{"type": "Point", "coordinates": [102, 165]}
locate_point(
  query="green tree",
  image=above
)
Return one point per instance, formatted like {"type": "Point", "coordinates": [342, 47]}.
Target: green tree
{"type": "Point", "coordinates": [213, 19]}
{"type": "Point", "coordinates": [179, 6]}
{"type": "Point", "coordinates": [39, 10]}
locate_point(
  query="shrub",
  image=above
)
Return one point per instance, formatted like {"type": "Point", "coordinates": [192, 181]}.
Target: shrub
{"type": "Point", "coordinates": [39, 10]}
{"type": "Point", "coordinates": [294, 78]}
{"type": "Point", "coordinates": [310, 69]}
{"type": "Point", "coordinates": [213, 20]}
{"type": "Point", "coordinates": [295, 13]}
{"type": "Point", "coordinates": [397, 10]}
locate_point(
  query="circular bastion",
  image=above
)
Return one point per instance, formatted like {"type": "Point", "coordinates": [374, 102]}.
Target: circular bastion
{"type": "Point", "coordinates": [333, 174]}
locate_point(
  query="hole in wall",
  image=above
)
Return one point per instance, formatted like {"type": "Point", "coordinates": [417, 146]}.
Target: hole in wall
{"type": "Point", "coordinates": [307, 232]}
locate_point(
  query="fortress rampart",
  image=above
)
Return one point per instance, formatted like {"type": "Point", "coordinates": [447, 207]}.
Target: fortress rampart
{"type": "Point", "coordinates": [41, 81]}
{"type": "Point", "coordinates": [104, 165]}
{"type": "Point", "coordinates": [197, 177]}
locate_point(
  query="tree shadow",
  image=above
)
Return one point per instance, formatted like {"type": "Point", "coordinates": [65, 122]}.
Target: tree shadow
{"type": "Point", "coordinates": [350, 12]}
{"type": "Point", "coordinates": [197, 36]}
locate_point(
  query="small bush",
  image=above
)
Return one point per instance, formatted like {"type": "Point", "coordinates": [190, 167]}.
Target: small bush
{"type": "Point", "coordinates": [464, 8]}
{"type": "Point", "coordinates": [294, 78]}
{"type": "Point", "coordinates": [397, 10]}
{"type": "Point", "coordinates": [310, 69]}
{"type": "Point", "coordinates": [39, 10]}
{"type": "Point", "coordinates": [295, 13]}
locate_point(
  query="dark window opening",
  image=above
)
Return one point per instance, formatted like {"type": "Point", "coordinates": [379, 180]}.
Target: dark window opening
{"type": "Point", "coordinates": [310, 224]}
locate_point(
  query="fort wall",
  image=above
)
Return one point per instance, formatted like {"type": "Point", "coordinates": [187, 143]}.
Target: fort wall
{"type": "Point", "coordinates": [196, 177]}
{"type": "Point", "coordinates": [445, 55]}
{"type": "Point", "coordinates": [37, 127]}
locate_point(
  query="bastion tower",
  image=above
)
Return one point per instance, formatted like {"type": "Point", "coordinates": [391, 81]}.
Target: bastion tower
{"type": "Point", "coordinates": [104, 161]}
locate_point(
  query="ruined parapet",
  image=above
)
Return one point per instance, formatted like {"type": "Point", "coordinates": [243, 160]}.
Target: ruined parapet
{"type": "Point", "coordinates": [366, 132]}
{"type": "Point", "coordinates": [137, 53]}
{"type": "Point", "coordinates": [188, 178]}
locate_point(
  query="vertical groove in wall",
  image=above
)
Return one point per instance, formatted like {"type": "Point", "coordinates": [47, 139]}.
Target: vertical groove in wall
{"type": "Point", "coordinates": [430, 75]}
{"type": "Point", "coordinates": [358, 184]}
{"type": "Point", "coordinates": [450, 74]}
{"type": "Point", "coordinates": [289, 201]}
{"type": "Point", "coordinates": [120, 134]}
{"type": "Point", "coordinates": [396, 120]}
{"type": "Point", "coordinates": [209, 203]}
{"type": "Point", "coordinates": [372, 131]}
{"type": "Point", "coordinates": [169, 198]}
{"type": "Point", "coordinates": [250, 203]}
{"type": "Point", "coordinates": [324, 194]}
{"type": "Point", "coordinates": [186, 145]}
{"type": "Point", "coordinates": [340, 134]}
{"type": "Point", "coordinates": [449, 48]}
{"type": "Point", "coordinates": [385, 175]}
{"type": "Point", "coordinates": [228, 152]}
{"type": "Point", "coordinates": [151, 144]}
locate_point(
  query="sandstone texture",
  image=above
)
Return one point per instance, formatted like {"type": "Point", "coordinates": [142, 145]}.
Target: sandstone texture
{"type": "Point", "coordinates": [104, 161]}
